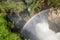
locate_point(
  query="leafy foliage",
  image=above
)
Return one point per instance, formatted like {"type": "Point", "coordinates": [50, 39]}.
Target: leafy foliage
{"type": "Point", "coordinates": [53, 3]}
{"type": "Point", "coordinates": [18, 6]}
{"type": "Point", "coordinates": [5, 34]}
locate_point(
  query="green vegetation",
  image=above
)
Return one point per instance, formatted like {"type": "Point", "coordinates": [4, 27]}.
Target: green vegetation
{"type": "Point", "coordinates": [53, 3]}
{"type": "Point", "coordinates": [5, 33]}
{"type": "Point", "coordinates": [32, 4]}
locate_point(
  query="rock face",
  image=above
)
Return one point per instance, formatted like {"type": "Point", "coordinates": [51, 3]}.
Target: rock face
{"type": "Point", "coordinates": [54, 19]}
{"type": "Point", "coordinates": [43, 26]}
{"type": "Point", "coordinates": [19, 19]}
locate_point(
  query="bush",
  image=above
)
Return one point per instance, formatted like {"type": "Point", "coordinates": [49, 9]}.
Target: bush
{"type": "Point", "coordinates": [5, 34]}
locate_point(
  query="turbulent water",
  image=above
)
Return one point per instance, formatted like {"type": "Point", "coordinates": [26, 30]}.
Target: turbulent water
{"type": "Point", "coordinates": [39, 28]}
{"type": "Point", "coordinates": [44, 33]}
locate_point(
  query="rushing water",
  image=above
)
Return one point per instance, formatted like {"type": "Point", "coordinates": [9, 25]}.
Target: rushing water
{"type": "Point", "coordinates": [38, 28]}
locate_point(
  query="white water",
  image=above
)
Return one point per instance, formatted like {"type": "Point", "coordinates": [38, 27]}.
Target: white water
{"type": "Point", "coordinates": [39, 31]}
{"type": "Point", "coordinates": [44, 33]}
